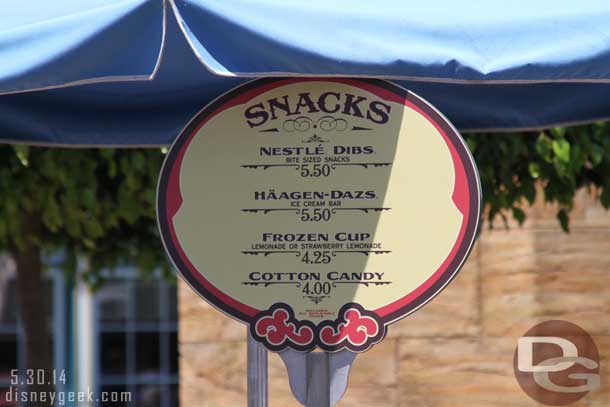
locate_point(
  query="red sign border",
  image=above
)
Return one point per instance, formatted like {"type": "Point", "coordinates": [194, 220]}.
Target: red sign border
{"type": "Point", "coordinates": [467, 196]}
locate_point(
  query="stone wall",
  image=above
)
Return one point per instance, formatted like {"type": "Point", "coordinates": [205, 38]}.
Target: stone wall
{"type": "Point", "coordinates": [457, 350]}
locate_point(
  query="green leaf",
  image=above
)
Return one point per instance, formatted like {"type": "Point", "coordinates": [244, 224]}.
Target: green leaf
{"type": "Point", "coordinates": [561, 148]}
{"type": "Point", "coordinates": [529, 191]}
{"type": "Point", "coordinates": [51, 217]}
{"type": "Point", "coordinates": [88, 198]}
{"type": "Point", "coordinates": [112, 169]}
{"type": "Point", "coordinates": [22, 153]}
{"type": "Point", "coordinates": [472, 144]}
{"type": "Point", "coordinates": [577, 158]}
{"type": "Point", "coordinates": [564, 220]}
{"type": "Point", "coordinates": [519, 214]}
{"type": "Point", "coordinates": [597, 154]}
{"type": "Point", "coordinates": [139, 162]}
{"type": "Point", "coordinates": [558, 132]}
{"type": "Point", "coordinates": [604, 198]}
{"type": "Point", "coordinates": [534, 169]}
{"type": "Point", "coordinates": [107, 153]}
{"type": "Point", "coordinates": [544, 147]}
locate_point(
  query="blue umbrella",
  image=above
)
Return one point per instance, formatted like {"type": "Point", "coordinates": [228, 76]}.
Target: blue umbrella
{"type": "Point", "coordinates": [132, 72]}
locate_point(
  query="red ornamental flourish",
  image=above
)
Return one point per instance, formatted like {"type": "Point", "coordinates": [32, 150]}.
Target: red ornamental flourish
{"type": "Point", "coordinates": [276, 329]}
{"type": "Point", "coordinates": [357, 329]}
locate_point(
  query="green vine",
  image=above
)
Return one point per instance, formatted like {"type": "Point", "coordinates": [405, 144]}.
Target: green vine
{"type": "Point", "coordinates": [101, 202]}
{"type": "Point", "coordinates": [94, 202]}
{"type": "Point", "coordinates": [561, 160]}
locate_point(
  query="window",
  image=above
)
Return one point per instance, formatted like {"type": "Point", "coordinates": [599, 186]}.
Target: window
{"type": "Point", "coordinates": [137, 324]}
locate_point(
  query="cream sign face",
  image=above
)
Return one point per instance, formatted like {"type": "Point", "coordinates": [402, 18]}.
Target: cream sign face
{"type": "Point", "coordinates": [318, 211]}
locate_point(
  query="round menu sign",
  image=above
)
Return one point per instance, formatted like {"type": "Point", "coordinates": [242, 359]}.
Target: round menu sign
{"type": "Point", "coordinates": [318, 211]}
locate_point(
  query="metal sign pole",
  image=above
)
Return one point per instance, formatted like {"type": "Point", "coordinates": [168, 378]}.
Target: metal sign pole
{"type": "Point", "coordinates": [257, 374]}
{"type": "Point", "coordinates": [318, 379]}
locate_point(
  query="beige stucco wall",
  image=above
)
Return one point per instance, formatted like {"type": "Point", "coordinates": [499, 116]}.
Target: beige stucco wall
{"type": "Point", "coordinates": [456, 351]}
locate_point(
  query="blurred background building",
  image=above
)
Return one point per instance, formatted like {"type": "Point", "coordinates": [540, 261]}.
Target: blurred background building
{"type": "Point", "coordinates": [168, 347]}
{"type": "Point", "coordinates": [458, 349]}
{"type": "Point", "coordinates": [123, 337]}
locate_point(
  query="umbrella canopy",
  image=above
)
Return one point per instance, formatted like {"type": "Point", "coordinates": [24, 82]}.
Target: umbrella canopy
{"type": "Point", "coordinates": [133, 72]}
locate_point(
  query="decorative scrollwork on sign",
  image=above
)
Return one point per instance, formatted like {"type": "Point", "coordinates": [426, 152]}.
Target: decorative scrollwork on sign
{"type": "Point", "coordinates": [364, 252]}
{"type": "Point", "coordinates": [299, 124]}
{"type": "Point", "coordinates": [266, 284]}
{"type": "Point", "coordinates": [365, 210]}
{"type": "Point", "coordinates": [316, 299]}
{"type": "Point", "coordinates": [330, 123]}
{"type": "Point", "coordinates": [315, 139]}
{"type": "Point", "coordinates": [265, 211]}
{"type": "Point", "coordinates": [364, 283]}
{"type": "Point", "coordinates": [363, 165]}
{"type": "Point", "coordinates": [267, 166]}
{"type": "Point", "coordinates": [355, 329]}
{"type": "Point", "coordinates": [266, 253]}
{"type": "Point", "coordinates": [278, 328]}
{"type": "Point", "coordinates": [324, 123]}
